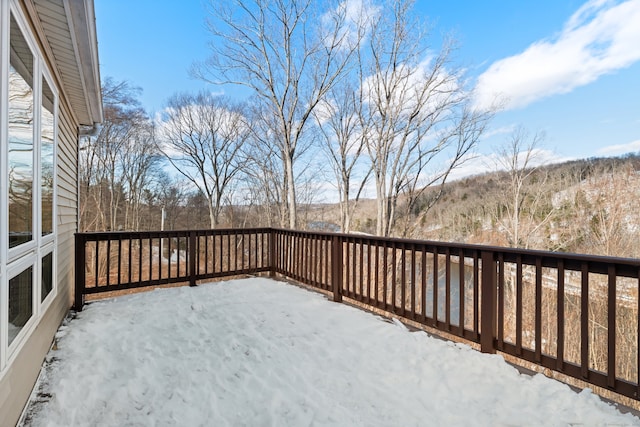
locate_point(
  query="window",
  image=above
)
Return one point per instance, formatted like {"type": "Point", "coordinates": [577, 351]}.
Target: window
{"type": "Point", "coordinates": [47, 135]}
{"type": "Point", "coordinates": [20, 302]}
{"type": "Point", "coordinates": [28, 130]}
{"type": "Point", "coordinates": [20, 130]}
{"type": "Point", "coordinates": [47, 276]}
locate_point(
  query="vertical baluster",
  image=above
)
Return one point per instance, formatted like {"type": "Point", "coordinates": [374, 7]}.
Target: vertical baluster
{"type": "Point", "coordinates": [376, 280]}
{"type": "Point", "coordinates": [538, 309]}
{"type": "Point", "coordinates": [97, 266]}
{"type": "Point", "coordinates": [289, 265]}
{"type": "Point", "coordinates": [560, 320]}
{"type": "Point", "coordinates": [206, 253]}
{"type": "Point", "coordinates": [314, 258]}
{"type": "Point", "coordinates": [403, 279]}
{"type": "Point", "coordinates": [260, 237]}
{"type": "Point", "coordinates": [361, 296]}
{"type": "Point", "coordinates": [169, 244]}
{"type": "Point", "coordinates": [302, 256]}
{"type": "Point", "coordinates": [253, 237]}
{"type": "Point", "coordinates": [221, 252]}
{"type": "Point", "coordinates": [179, 239]}
{"type": "Point", "coordinates": [384, 275]}
{"type": "Point", "coordinates": [413, 281]}
{"type": "Point", "coordinates": [394, 271]}
{"type": "Point", "coordinates": [150, 258]}
{"type": "Point", "coordinates": [289, 261]}
{"type": "Point", "coordinates": [347, 265]}
{"type": "Point", "coordinates": [108, 261]}
{"type": "Point", "coordinates": [423, 286]}
{"type": "Point", "coordinates": [447, 289]}
{"type": "Point", "coordinates": [476, 294]}
{"type": "Point", "coordinates": [160, 258]}
{"type": "Point", "coordinates": [584, 321]}
{"type": "Point", "coordinates": [461, 291]}
{"type": "Point", "coordinates": [296, 256]}
{"type": "Point", "coordinates": [611, 323]}
{"type": "Point", "coordinates": [638, 338]}
{"type": "Point", "coordinates": [119, 282]}
{"type": "Point", "coordinates": [369, 264]}
{"type": "Point", "coordinates": [501, 290]}
{"type": "Point", "coordinates": [192, 246]}
{"type": "Point", "coordinates": [326, 256]}
{"type": "Point", "coordinates": [519, 304]}
{"type": "Point", "coordinates": [299, 239]}
{"type": "Point", "coordinates": [336, 267]}
{"type": "Point", "coordinates": [354, 270]}
{"type": "Point", "coordinates": [129, 258]}
{"type": "Point", "coordinates": [140, 258]}
{"type": "Point", "coordinates": [306, 256]}
{"type": "Point", "coordinates": [435, 286]}
{"type": "Point", "coordinates": [201, 238]}
{"type": "Point", "coordinates": [236, 247]}
{"type": "Point", "coordinates": [294, 261]}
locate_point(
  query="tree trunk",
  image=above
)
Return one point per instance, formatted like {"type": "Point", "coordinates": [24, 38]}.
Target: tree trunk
{"type": "Point", "coordinates": [213, 220]}
{"type": "Point", "coordinates": [381, 200]}
{"type": "Point", "coordinates": [291, 193]}
{"type": "Point", "coordinates": [344, 209]}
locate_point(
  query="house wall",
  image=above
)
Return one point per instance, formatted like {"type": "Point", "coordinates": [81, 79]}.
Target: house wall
{"type": "Point", "coordinates": [23, 367]}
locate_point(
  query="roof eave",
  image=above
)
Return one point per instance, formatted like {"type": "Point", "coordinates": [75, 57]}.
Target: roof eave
{"type": "Point", "coordinates": [82, 24]}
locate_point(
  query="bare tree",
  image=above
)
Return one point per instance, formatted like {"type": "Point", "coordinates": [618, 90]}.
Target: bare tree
{"type": "Point", "coordinates": [171, 196]}
{"type": "Point", "coordinates": [416, 112]}
{"type": "Point", "coordinates": [117, 161]}
{"type": "Point", "coordinates": [202, 137]}
{"type": "Point", "coordinates": [139, 163]}
{"type": "Point", "coordinates": [265, 177]}
{"type": "Point", "coordinates": [607, 212]}
{"type": "Point", "coordinates": [524, 210]}
{"type": "Point", "coordinates": [343, 142]}
{"type": "Point", "coordinates": [289, 53]}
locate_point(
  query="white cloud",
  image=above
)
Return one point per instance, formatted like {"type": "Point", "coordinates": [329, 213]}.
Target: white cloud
{"type": "Point", "coordinates": [410, 81]}
{"type": "Point", "coordinates": [613, 150]}
{"type": "Point", "coordinates": [600, 38]}
{"type": "Point", "coordinates": [358, 17]}
{"type": "Point", "coordinates": [503, 130]}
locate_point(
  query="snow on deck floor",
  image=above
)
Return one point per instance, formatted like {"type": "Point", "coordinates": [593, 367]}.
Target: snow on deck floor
{"type": "Point", "coordinates": [257, 352]}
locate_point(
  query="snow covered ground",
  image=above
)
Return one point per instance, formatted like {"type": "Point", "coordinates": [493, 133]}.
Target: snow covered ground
{"type": "Point", "coordinates": [257, 352]}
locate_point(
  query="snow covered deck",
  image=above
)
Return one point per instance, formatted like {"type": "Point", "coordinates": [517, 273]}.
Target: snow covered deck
{"type": "Point", "coordinates": [259, 352]}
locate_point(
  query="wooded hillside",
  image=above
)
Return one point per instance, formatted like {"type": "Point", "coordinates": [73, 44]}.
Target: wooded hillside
{"type": "Point", "coordinates": [585, 206]}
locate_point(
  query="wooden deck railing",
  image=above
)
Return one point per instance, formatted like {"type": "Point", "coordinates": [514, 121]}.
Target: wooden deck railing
{"type": "Point", "coordinates": [574, 314]}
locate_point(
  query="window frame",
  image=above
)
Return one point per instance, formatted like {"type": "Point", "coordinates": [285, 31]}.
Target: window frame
{"type": "Point", "coordinates": [13, 261]}
{"type": "Point", "coordinates": [14, 270]}
{"type": "Point", "coordinates": [18, 251]}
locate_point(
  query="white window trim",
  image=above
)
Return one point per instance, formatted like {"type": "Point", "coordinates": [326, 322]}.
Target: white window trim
{"type": "Point", "coordinates": [4, 222]}
{"type": "Point", "coordinates": [44, 240]}
{"type": "Point", "coordinates": [15, 260]}
{"type": "Point", "coordinates": [42, 306]}
{"type": "Point", "coordinates": [48, 243]}
{"type": "Point", "coordinates": [12, 271]}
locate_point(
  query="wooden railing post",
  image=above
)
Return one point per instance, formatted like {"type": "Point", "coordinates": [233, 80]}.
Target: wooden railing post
{"type": "Point", "coordinates": [272, 252]}
{"type": "Point", "coordinates": [192, 258]}
{"type": "Point", "coordinates": [336, 268]}
{"type": "Point", "coordinates": [488, 303]}
{"type": "Point", "coordinates": [80, 266]}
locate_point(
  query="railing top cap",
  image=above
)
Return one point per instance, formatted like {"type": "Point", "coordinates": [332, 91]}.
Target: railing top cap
{"type": "Point", "coordinates": [113, 235]}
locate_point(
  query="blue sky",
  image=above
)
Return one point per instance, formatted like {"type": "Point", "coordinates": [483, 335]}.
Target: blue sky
{"type": "Point", "coordinates": [570, 69]}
